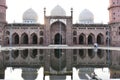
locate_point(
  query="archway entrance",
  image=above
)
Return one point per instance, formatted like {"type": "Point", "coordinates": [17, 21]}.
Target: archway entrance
{"type": "Point", "coordinates": [34, 38]}
{"type": "Point", "coordinates": [58, 39]}
{"type": "Point", "coordinates": [91, 39]}
{"type": "Point", "coordinates": [15, 38]}
{"type": "Point", "coordinates": [100, 39]}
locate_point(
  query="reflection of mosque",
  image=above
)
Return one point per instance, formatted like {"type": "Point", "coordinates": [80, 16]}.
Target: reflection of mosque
{"type": "Point", "coordinates": [58, 28]}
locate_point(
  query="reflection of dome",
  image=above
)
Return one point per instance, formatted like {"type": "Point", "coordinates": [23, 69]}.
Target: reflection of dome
{"type": "Point", "coordinates": [30, 16]}
{"type": "Point", "coordinates": [86, 17]}
{"type": "Point", "coordinates": [58, 11]}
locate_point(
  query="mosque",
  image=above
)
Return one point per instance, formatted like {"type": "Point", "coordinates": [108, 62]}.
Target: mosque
{"type": "Point", "coordinates": [58, 28]}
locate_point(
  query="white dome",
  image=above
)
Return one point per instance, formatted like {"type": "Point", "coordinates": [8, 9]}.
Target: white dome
{"type": "Point", "coordinates": [58, 11]}
{"type": "Point", "coordinates": [30, 16]}
{"type": "Point", "coordinates": [86, 17]}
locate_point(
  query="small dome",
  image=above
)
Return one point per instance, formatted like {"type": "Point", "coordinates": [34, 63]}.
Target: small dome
{"type": "Point", "coordinates": [86, 17]}
{"type": "Point", "coordinates": [30, 16]}
{"type": "Point", "coordinates": [58, 11]}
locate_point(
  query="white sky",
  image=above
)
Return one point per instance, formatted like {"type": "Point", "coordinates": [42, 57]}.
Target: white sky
{"type": "Point", "coordinates": [99, 8]}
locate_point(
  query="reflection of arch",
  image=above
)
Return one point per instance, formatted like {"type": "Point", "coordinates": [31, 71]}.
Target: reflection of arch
{"type": "Point", "coordinates": [82, 38]}
{"type": "Point", "coordinates": [58, 53]}
{"type": "Point", "coordinates": [74, 51]}
{"type": "Point", "coordinates": [100, 39]}
{"type": "Point", "coordinates": [82, 53]}
{"type": "Point", "coordinates": [91, 54]}
{"type": "Point", "coordinates": [34, 38]}
{"type": "Point", "coordinates": [15, 54]}
{"type": "Point", "coordinates": [58, 39]}
{"type": "Point", "coordinates": [41, 40]}
{"type": "Point", "coordinates": [34, 53]}
{"type": "Point", "coordinates": [15, 38]}
{"type": "Point", "coordinates": [100, 53]}
{"type": "Point", "coordinates": [91, 38]}
{"type": "Point", "coordinates": [24, 54]}
{"type": "Point", "coordinates": [24, 38]}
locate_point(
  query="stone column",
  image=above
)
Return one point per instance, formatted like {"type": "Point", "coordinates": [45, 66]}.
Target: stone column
{"type": "Point", "coordinates": [29, 73]}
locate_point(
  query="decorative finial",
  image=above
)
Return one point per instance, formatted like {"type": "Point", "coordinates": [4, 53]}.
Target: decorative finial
{"type": "Point", "coordinates": [71, 12]}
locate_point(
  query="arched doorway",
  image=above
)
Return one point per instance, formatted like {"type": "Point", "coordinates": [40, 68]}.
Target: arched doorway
{"type": "Point", "coordinates": [58, 28]}
{"type": "Point", "coordinates": [82, 39]}
{"type": "Point", "coordinates": [91, 39]}
{"type": "Point", "coordinates": [15, 38]}
{"type": "Point", "coordinates": [34, 39]}
{"type": "Point", "coordinates": [24, 38]}
{"type": "Point", "coordinates": [58, 39]}
{"type": "Point", "coordinates": [100, 39]}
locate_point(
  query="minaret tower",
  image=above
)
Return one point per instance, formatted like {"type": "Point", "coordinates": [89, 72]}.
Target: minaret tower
{"type": "Point", "coordinates": [114, 21]}
{"type": "Point", "coordinates": [114, 24]}
{"type": "Point", "coordinates": [3, 8]}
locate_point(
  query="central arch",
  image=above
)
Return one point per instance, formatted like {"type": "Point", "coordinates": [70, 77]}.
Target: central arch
{"type": "Point", "coordinates": [58, 39]}
{"type": "Point", "coordinates": [55, 28]}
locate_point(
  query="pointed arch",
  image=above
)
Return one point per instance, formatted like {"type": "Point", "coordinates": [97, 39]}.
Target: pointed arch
{"type": "Point", "coordinates": [100, 39]}
{"type": "Point", "coordinates": [15, 38]}
{"type": "Point", "coordinates": [91, 38]}
{"type": "Point", "coordinates": [58, 39]}
{"type": "Point", "coordinates": [34, 38]}
{"type": "Point", "coordinates": [24, 38]}
{"type": "Point", "coordinates": [82, 38]}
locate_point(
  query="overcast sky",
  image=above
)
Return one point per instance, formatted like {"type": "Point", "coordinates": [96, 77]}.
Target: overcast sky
{"type": "Point", "coordinates": [16, 8]}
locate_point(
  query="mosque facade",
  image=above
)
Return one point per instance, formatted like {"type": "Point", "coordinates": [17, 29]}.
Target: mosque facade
{"type": "Point", "coordinates": [58, 28]}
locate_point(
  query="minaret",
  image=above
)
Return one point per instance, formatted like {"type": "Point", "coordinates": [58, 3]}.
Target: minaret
{"type": "Point", "coordinates": [3, 8]}
{"type": "Point", "coordinates": [2, 24]}
{"type": "Point", "coordinates": [114, 11]}
{"type": "Point", "coordinates": [114, 22]}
